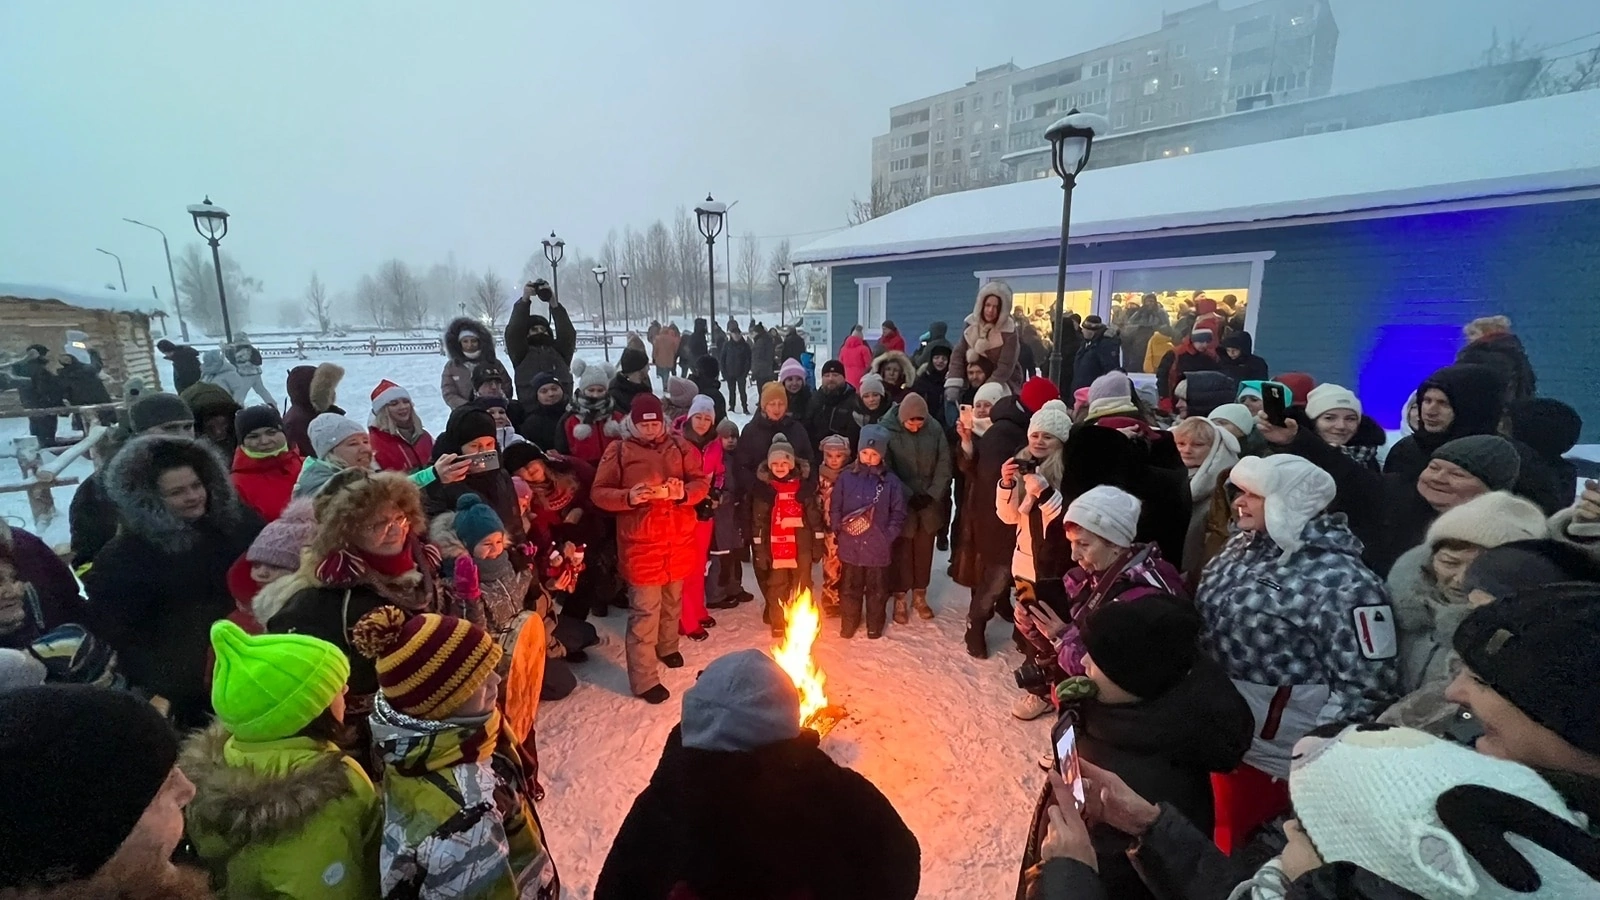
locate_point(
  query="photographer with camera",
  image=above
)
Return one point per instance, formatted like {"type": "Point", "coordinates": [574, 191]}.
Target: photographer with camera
{"type": "Point", "coordinates": [531, 345]}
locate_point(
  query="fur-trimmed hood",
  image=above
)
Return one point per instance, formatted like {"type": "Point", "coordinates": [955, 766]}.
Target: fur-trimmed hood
{"type": "Point", "coordinates": [130, 483]}
{"type": "Point", "coordinates": [452, 341]}
{"type": "Point", "coordinates": [323, 384]}
{"type": "Point", "coordinates": [243, 805]}
{"type": "Point", "coordinates": [909, 370]}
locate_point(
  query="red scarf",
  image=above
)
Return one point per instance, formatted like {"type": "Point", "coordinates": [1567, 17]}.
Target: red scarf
{"type": "Point", "coordinates": [787, 519]}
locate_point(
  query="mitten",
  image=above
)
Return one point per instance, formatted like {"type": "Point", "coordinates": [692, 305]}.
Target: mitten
{"type": "Point", "coordinates": [466, 580]}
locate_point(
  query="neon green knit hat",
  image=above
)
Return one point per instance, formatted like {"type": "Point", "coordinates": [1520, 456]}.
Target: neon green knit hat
{"type": "Point", "coordinates": [268, 687]}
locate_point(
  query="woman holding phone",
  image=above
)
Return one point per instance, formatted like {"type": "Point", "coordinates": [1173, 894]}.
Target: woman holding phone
{"type": "Point", "coordinates": [471, 434]}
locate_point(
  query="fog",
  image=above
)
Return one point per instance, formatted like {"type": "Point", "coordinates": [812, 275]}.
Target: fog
{"type": "Point", "coordinates": [343, 134]}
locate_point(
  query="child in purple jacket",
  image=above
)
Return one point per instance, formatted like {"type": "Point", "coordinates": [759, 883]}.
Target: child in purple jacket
{"type": "Point", "coordinates": [866, 513]}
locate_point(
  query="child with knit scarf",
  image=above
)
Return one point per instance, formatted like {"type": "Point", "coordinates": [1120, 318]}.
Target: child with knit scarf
{"type": "Point", "coordinates": [785, 528]}
{"type": "Point", "coordinates": [835, 456]}
{"type": "Point", "coordinates": [459, 790]}
{"type": "Point", "coordinates": [594, 421]}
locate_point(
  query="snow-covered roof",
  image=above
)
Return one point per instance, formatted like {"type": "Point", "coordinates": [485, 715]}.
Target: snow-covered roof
{"type": "Point", "coordinates": [1533, 146]}
{"type": "Point", "coordinates": [81, 297]}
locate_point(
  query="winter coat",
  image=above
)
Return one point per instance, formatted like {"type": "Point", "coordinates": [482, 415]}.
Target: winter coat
{"type": "Point", "coordinates": [1307, 640]}
{"type": "Point", "coordinates": [93, 520]}
{"type": "Point", "coordinates": [265, 483]}
{"type": "Point", "coordinates": [891, 340]}
{"type": "Point", "coordinates": [542, 425]}
{"type": "Point", "coordinates": [1550, 429]}
{"type": "Point", "coordinates": [783, 820]}
{"type": "Point", "coordinates": [652, 544]}
{"type": "Point", "coordinates": [588, 432]}
{"type": "Point", "coordinates": [807, 536]}
{"type": "Point", "coordinates": [1477, 395]}
{"type": "Point", "coordinates": [832, 413]}
{"type": "Point", "coordinates": [1138, 328]}
{"type": "Point", "coordinates": [665, 349]}
{"type": "Point", "coordinates": [394, 452]}
{"type": "Point", "coordinates": [735, 359]}
{"type": "Point", "coordinates": [1165, 749]}
{"type": "Point", "coordinates": [456, 827]}
{"type": "Point", "coordinates": [707, 378]}
{"type": "Point", "coordinates": [698, 340]}
{"type": "Point", "coordinates": [311, 393]}
{"type": "Point", "coordinates": [288, 818]}
{"type": "Point", "coordinates": [1007, 434]}
{"type": "Point", "coordinates": [1425, 618]}
{"type": "Point", "coordinates": [1138, 572]}
{"type": "Point", "coordinates": [1249, 366]}
{"type": "Point", "coordinates": [1188, 359]}
{"type": "Point", "coordinates": [1095, 358]}
{"type": "Point", "coordinates": [731, 519]}
{"type": "Point", "coordinates": [185, 367]}
{"type": "Point", "coordinates": [40, 387]}
{"type": "Point", "coordinates": [1204, 391]}
{"type": "Point", "coordinates": [552, 353]}
{"type": "Point", "coordinates": [1503, 352]}
{"type": "Point", "coordinates": [857, 488]}
{"type": "Point", "coordinates": [897, 392]}
{"type": "Point", "coordinates": [856, 357]}
{"type": "Point", "coordinates": [1040, 552]}
{"type": "Point", "coordinates": [1146, 467]}
{"type": "Point", "coordinates": [155, 589]}
{"type": "Point", "coordinates": [207, 401]}
{"type": "Point", "coordinates": [921, 462]}
{"type": "Point", "coordinates": [622, 391]}
{"type": "Point", "coordinates": [495, 486]}
{"type": "Point", "coordinates": [865, 417]}
{"type": "Point", "coordinates": [81, 384]}
{"type": "Point", "coordinates": [455, 382]}
{"type": "Point", "coordinates": [1002, 347]}
{"type": "Point", "coordinates": [930, 385]}
{"type": "Point", "coordinates": [763, 357]}
{"type": "Point", "coordinates": [966, 567]}
{"type": "Point", "coordinates": [1156, 350]}
{"type": "Point", "coordinates": [32, 576]}
{"type": "Point", "coordinates": [751, 451]}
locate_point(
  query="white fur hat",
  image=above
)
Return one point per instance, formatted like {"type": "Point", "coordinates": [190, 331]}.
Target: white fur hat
{"type": "Point", "coordinates": [1053, 418]}
{"type": "Point", "coordinates": [1295, 489]}
{"type": "Point", "coordinates": [1109, 512]}
{"type": "Point", "coordinates": [1489, 520]}
{"type": "Point", "coordinates": [329, 430]}
{"type": "Point", "coordinates": [1324, 397]}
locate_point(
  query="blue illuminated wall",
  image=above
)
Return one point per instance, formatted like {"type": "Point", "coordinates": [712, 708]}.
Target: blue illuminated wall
{"type": "Point", "coordinates": [1374, 305]}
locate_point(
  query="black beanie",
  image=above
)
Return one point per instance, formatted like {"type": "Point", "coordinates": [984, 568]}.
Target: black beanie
{"type": "Point", "coordinates": [633, 360]}
{"type": "Point", "coordinates": [1540, 650]}
{"type": "Point", "coordinates": [514, 457]}
{"type": "Point", "coordinates": [1145, 645]}
{"type": "Point", "coordinates": [470, 423]}
{"type": "Point", "coordinates": [834, 366]}
{"type": "Point", "coordinates": [154, 410]}
{"type": "Point", "coordinates": [1512, 568]}
{"type": "Point", "coordinates": [80, 765]}
{"type": "Point", "coordinates": [252, 417]}
{"type": "Point", "coordinates": [490, 370]}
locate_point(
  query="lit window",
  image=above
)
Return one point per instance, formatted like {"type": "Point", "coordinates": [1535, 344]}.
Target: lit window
{"type": "Point", "coordinates": [1151, 86]}
{"type": "Point", "coordinates": [1213, 72]}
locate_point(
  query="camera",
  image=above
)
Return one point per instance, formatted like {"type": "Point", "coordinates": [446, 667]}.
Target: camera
{"type": "Point", "coordinates": [1033, 678]}
{"type": "Point", "coordinates": [1027, 466]}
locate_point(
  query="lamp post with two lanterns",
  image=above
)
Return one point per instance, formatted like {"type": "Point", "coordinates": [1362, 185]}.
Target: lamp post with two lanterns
{"type": "Point", "coordinates": [1070, 141]}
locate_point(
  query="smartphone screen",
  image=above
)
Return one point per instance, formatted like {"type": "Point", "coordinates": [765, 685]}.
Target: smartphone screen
{"type": "Point", "coordinates": [1067, 762]}
{"type": "Point", "coordinates": [1274, 403]}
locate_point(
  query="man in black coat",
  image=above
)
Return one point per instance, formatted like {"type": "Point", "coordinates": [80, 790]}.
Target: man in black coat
{"type": "Point", "coordinates": [40, 388]}
{"type": "Point", "coordinates": [1239, 361]}
{"type": "Point", "coordinates": [772, 418]}
{"type": "Point", "coordinates": [794, 345]}
{"type": "Point", "coordinates": [744, 803]}
{"type": "Point", "coordinates": [185, 363]}
{"type": "Point", "coordinates": [735, 359]}
{"type": "Point", "coordinates": [832, 410]}
{"type": "Point", "coordinates": [698, 342]}
{"type": "Point", "coordinates": [533, 347]}
{"type": "Point", "coordinates": [763, 356]}
{"type": "Point", "coordinates": [707, 379]}
{"type": "Point", "coordinates": [1098, 354]}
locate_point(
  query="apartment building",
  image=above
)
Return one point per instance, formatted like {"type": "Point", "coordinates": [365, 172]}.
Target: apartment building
{"type": "Point", "coordinates": [1204, 61]}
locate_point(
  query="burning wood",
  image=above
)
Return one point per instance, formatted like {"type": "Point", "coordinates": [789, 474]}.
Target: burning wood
{"type": "Point", "coordinates": [802, 623]}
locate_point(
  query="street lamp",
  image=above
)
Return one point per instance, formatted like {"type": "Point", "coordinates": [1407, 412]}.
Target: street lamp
{"type": "Point", "coordinates": [600, 279]}
{"type": "Point", "coordinates": [783, 295]}
{"type": "Point", "coordinates": [627, 317]}
{"type": "Point", "coordinates": [212, 223]}
{"type": "Point", "coordinates": [120, 273]}
{"type": "Point", "coordinates": [554, 249]}
{"type": "Point", "coordinates": [1070, 142]}
{"type": "Point", "coordinates": [182, 325]}
{"type": "Point", "coordinates": [711, 214]}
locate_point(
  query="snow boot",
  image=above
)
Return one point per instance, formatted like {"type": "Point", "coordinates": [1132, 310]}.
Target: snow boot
{"type": "Point", "coordinates": [707, 622]}
{"type": "Point", "coordinates": [977, 646]}
{"type": "Point", "coordinates": [673, 660]}
{"type": "Point", "coordinates": [1030, 706]}
{"type": "Point", "coordinates": [902, 612]}
{"type": "Point", "coordinates": [699, 634]}
{"type": "Point", "coordinates": [847, 627]}
{"type": "Point", "coordinates": [656, 695]}
{"type": "Point", "coordinates": [942, 544]}
{"type": "Point", "coordinates": [919, 600]}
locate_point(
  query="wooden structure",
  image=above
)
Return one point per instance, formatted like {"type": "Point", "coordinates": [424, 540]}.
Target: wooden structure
{"type": "Point", "coordinates": [116, 324]}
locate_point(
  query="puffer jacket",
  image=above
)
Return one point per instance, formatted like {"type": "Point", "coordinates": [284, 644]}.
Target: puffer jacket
{"type": "Point", "coordinates": [858, 487]}
{"type": "Point", "coordinates": [266, 482]}
{"type": "Point", "coordinates": [1307, 640]}
{"type": "Point", "coordinates": [922, 463]}
{"type": "Point", "coordinates": [808, 544]}
{"type": "Point", "coordinates": [856, 357]}
{"type": "Point", "coordinates": [832, 413]}
{"type": "Point", "coordinates": [454, 825]}
{"type": "Point", "coordinates": [652, 544]}
{"type": "Point", "coordinates": [734, 358]}
{"type": "Point", "coordinates": [455, 382]}
{"type": "Point", "coordinates": [757, 436]}
{"type": "Point", "coordinates": [393, 452]}
{"type": "Point", "coordinates": [289, 818]}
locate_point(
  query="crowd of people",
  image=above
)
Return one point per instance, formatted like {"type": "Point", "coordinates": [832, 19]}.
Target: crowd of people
{"type": "Point", "coordinates": [318, 643]}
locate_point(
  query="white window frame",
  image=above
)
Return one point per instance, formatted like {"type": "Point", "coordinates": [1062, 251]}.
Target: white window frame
{"type": "Point", "coordinates": [863, 285]}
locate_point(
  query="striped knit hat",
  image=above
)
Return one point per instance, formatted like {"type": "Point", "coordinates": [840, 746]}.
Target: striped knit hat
{"type": "Point", "coordinates": [428, 665]}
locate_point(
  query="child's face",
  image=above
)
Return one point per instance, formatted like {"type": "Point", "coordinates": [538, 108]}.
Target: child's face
{"type": "Point", "coordinates": [869, 456]}
{"type": "Point", "coordinates": [595, 391]}
{"type": "Point", "coordinates": [835, 459]}
{"type": "Point", "coordinates": [263, 574]}
{"type": "Point", "coordinates": [729, 443]}
{"type": "Point", "coordinates": [490, 547]}
{"type": "Point", "coordinates": [793, 384]}
{"type": "Point", "coordinates": [780, 467]}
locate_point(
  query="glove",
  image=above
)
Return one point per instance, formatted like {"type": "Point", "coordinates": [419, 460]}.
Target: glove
{"type": "Point", "coordinates": [466, 579]}
{"type": "Point", "coordinates": [953, 394]}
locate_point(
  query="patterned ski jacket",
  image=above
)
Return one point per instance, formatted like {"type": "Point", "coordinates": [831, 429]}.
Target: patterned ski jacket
{"type": "Point", "coordinates": [1307, 640]}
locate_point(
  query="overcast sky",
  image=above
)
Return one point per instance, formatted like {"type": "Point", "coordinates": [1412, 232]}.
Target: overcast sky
{"type": "Point", "coordinates": [342, 133]}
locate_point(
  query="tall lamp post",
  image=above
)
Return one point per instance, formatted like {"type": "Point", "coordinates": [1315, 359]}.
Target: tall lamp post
{"type": "Point", "coordinates": [120, 273]}
{"type": "Point", "coordinates": [212, 223]}
{"type": "Point", "coordinates": [600, 279]}
{"type": "Point", "coordinates": [165, 248]}
{"type": "Point", "coordinates": [783, 295]}
{"type": "Point", "coordinates": [554, 249]}
{"type": "Point", "coordinates": [627, 316]}
{"type": "Point", "coordinates": [711, 214]}
{"type": "Point", "coordinates": [1070, 140]}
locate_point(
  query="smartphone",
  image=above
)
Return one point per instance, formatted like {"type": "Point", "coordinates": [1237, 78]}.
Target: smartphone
{"type": "Point", "coordinates": [966, 414]}
{"type": "Point", "coordinates": [1275, 403]}
{"type": "Point", "coordinates": [1067, 762]}
{"type": "Point", "coordinates": [486, 461]}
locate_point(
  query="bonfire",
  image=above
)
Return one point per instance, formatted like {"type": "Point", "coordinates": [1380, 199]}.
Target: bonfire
{"type": "Point", "coordinates": [802, 623]}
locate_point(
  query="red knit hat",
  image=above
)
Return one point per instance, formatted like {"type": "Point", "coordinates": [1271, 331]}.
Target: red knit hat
{"type": "Point", "coordinates": [428, 665]}
{"type": "Point", "coordinates": [646, 408]}
{"type": "Point", "coordinates": [1299, 383]}
{"type": "Point", "coordinates": [386, 393]}
{"type": "Point", "coordinates": [1037, 391]}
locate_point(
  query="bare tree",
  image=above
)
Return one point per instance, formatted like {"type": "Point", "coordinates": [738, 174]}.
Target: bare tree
{"type": "Point", "coordinates": [659, 262]}
{"type": "Point", "coordinates": [885, 199]}
{"type": "Point", "coordinates": [747, 263]}
{"type": "Point", "coordinates": [370, 300]}
{"type": "Point", "coordinates": [197, 286]}
{"type": "Point", "coordinates": [1566, 73]}
{"type": "Point", "coordinates": [318, 304]}
{"type": "Point", "coordinates": [402, 295]}
{"type": "Point", "coordinates": [490, 298]}
{"type": "Point", "coordinates": [689, 261]}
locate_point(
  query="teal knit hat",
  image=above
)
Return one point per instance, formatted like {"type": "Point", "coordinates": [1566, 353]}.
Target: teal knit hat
{"type": "Point", "coordinates": [268, 687]}
{"type": "Point", "coordinates": [475, 520]}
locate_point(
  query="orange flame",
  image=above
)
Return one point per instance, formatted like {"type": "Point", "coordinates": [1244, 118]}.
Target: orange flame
{"type": "Point", "coordinates": [802, 624]}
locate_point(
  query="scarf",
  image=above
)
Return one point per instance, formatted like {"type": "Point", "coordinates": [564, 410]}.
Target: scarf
{"type": "Point", "coordinates": [591, 410]}
{"type": "Point", "coordinates": [980, 424]}
{"type": "Point", "coordinates": [434, 746]}
{"type": "Point", "coordinates": [555, 493]}
{"type": "Point", "coordinates": [1222, 456]}
{"type": "Point", "coordinates": [787, 519]}
{"type": "Point", "coordinates": [392, 566]}
{"type": "Point", "coordinates": [254, 455]}
{"type": "Point", "coordinates": [1366, 456]}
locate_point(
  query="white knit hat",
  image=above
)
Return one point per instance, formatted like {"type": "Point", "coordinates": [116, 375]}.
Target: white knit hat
{"type": "Point", "coordinates": [1053, 418]}
{"type": "Point", "coordinates": [1235, 414]}
{"type": "Point", "coordinates": [991, 392]}
{"type": "Point", "coordinates": [1434, 817]}
{"type": "Point", "coordinates": [1324, 397]}
{"type": "Point", "coordinates": [1111, 513]}
{"type": "Point", "coordinates": [1489, 520]}
{"type": "Point", "coordinates": [703, 404]}
{"type": "Point", "coordinates": [1295, 489]}
{"type": "Point", "coordinates": [328, 430]}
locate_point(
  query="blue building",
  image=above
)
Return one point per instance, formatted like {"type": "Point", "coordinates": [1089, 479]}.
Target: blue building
{"type": "Point", "coordinates": [1358, 255]}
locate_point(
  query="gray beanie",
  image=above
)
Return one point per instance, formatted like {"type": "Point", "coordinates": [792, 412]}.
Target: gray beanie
{"type": "Point", "coordinates": [874, 437]}
{"type": "Point", "coordinates": [329, 430]}
{"type": "Point", "coordinates": [154, 410]}
{"type": "Point", "coordinates": [742, 701]}
{"type": "Point", "coordinates": [1491, 459]}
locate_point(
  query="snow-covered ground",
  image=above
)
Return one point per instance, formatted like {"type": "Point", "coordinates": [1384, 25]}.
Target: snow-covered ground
{"type": "Point", "coordinates": [928, 724]}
